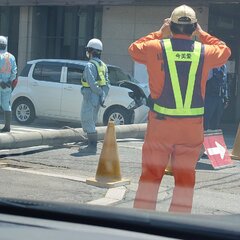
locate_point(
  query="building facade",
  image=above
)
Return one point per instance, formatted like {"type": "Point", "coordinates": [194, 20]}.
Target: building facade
{"type": "Point", "coordinates": [61, 29]}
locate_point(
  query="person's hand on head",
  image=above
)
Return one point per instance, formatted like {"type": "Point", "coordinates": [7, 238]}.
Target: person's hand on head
{"type": "Point", "coordinates": [198, 30]}
{"type": "Point", "coordinates": [165, 28]}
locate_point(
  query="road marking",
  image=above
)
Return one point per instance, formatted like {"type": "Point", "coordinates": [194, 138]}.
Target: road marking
{"type": "Point", "coordinates": [112, 196]}
{"type": "Point", "coordinates": [73, 178]}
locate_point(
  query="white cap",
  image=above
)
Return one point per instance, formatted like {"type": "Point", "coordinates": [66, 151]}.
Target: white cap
{"type": "Point", "coordinates": [3, 40]}
{"type": "Point", "coordinates": [183, 15]}
{"type": "Point", "coordinates": [95, 43]}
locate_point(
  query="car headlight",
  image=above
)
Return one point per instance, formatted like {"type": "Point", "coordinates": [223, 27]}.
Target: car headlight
{"type": "Point", "coordinates": [131, 105]}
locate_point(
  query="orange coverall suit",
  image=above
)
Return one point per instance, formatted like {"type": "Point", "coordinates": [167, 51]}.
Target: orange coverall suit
{"type": "Point", "coordinates": [177, 138]}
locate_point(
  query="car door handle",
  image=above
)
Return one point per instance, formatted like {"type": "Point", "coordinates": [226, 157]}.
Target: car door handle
{"type": "Point", "coordinates": [68, 88]}
{"type": "Point", "coordinates": [35, 84]}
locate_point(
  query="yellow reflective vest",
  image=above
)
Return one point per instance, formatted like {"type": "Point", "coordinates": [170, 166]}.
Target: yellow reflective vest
{"type": "Point", "coordinates": [101, 70]}
{"type": "Point", "coordinates": [175, 104]}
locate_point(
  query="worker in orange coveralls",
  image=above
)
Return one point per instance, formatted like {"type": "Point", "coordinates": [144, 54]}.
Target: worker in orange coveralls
{"type": "Point", "coordinates": [178, 69]}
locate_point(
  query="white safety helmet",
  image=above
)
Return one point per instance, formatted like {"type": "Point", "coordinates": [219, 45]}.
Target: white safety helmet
{"type": "Point", "coordinates": [95, 44]}
{"type": "Point", "coordinates": [3, 40]}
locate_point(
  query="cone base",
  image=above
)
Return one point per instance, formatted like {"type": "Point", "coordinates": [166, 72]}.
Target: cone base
{"type": "Point", "coordinates": [96, 183]}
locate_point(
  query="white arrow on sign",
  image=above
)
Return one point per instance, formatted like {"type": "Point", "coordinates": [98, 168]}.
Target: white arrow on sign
{"type": "Point", "coordinates": [219, 149]}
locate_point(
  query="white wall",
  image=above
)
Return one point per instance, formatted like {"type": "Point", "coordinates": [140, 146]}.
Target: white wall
{"type": "Point", "coordinates": [25, 32]}
{"type": "Point", "coordinates": [124, 24]}
{"type": "Point", "coordinates": [117, 34]}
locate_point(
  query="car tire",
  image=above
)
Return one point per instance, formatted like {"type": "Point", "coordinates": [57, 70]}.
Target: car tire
{"type": "Point", "coordinates": [23, 111]}
{"type": "Point", "coordinates": [119, 115]}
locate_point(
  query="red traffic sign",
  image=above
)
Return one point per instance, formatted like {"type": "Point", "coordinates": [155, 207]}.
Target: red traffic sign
{"type": "Point", "coordinates": [216, 149]}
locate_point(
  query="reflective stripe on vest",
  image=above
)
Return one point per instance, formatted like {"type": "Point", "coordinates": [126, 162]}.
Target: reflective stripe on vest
{"type": "Point", "coordinates": [101, 71]}
{"type": "Point", "coordinates": [6, 68]}
{"type": "Point", "coordinates": [183, 108]}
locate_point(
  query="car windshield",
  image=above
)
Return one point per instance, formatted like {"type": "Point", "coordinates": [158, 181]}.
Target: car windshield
{"type": "Point", "coordinates": [123, 107]}
{"type": "Point", "coordinates": [117, 75]}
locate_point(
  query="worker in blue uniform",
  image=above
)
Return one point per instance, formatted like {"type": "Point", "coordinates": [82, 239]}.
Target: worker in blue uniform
{"type": "Point", "coordinates": [8, 73]}
{"type": "Point", "coordinates": [216, 97]}
{"type": "Point", "coordinates": [95, 87]}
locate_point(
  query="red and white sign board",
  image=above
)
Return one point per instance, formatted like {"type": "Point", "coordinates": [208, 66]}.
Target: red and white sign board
{"type": "Point", "coordinates": [216, 150]}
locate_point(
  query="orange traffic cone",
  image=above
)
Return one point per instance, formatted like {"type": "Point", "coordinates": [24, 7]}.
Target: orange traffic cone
{"type": "Point", "coordinates": [108, 172]}
{"type": "Point", "coordinates": [236, 147]}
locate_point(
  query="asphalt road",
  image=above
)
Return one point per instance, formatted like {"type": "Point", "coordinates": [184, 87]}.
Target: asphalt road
{"type": "Point", "coordinates": [60, 174]}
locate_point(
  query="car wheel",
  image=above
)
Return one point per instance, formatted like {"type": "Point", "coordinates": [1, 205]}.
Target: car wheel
{"type": "Point", "coordinates": [24, 111]}
{"type": "Point", "coordinates": [118, 115]}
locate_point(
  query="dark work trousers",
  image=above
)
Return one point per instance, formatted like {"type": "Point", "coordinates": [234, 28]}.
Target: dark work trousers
{"type": "Point", "coordinates": [213, 112]}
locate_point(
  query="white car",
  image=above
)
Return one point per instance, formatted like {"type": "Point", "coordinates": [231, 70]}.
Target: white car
{"type": "Point", "coordinates": [50, 88]}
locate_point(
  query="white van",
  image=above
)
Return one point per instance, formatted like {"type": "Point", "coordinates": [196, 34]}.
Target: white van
{"type": "Point", "coordinates": [50, 88]}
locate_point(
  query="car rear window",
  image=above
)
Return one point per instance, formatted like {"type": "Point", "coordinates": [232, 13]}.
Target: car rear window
{"type": "Point", "coordinates": [25, 70]}
{"type": "Point", "coordinates": [50, 72]}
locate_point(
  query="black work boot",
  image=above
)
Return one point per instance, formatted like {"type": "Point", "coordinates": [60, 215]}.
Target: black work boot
{"type": "Point", "coordinates": [7, 118]}
{"type": "Point", "coordinates": [91, 148]}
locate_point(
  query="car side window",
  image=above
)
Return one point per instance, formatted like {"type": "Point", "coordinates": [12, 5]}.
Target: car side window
{"type": "Point", "coordinates": [74, 75]}
{"type": "Point", "coordinates": [25, 70]}
{"type": "Point", "coordinates": [50, 72]}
